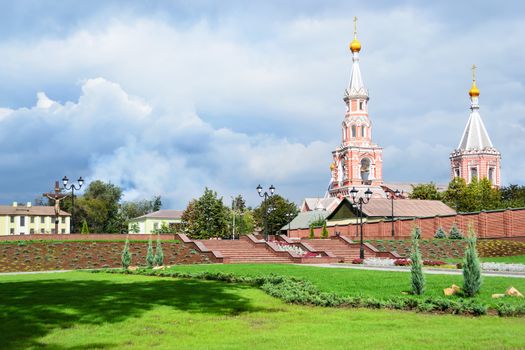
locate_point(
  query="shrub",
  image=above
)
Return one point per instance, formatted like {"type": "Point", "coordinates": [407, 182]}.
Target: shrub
{"type": "Point", "coordinates": [416, 271]}
{"type": "Point", "coordinates": [433, 262]}
{"type": "Point", "coordinates": [318, 222]}
{"type": "Point", "coordinates": [471, 267]}
{"type": "Point", "coordinates": [416, 232]}
{"type": "Point", "coordinates": [402, 262]}
{"type": "Point", "coordinates": [324, 234]}
{"type": "Point", "coordinates": [85, 228]}
{"type": "Point", "coordinates": [455, 233]}
{"type": "Point", "coordinates": [312, 235]}
{"type": "Point", "coordinates": [150, 259]}
{"type": "Point", "coordinates": [440, 233]}
{"type": "Point", "coordinates": [126, 256]}
{"type": "Point", "coordinates": [357, 261]}
{"type": "Point", "coordinates": [159, 254]}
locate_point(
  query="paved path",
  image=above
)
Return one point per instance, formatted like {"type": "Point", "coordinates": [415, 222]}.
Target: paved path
{"type": "Point", "coordinates": [432, 271]}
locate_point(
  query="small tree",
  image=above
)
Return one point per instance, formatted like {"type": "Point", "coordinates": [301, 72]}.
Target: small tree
{"type": "Point", "coordinates": [324, 233]}
{"type": "Point", "coordinates": [150, 259]}
{"type": "Point", "coordinates": [134, 228]}
{"type": "Point", "coordinates": [312, 235]}
{"type": "Point", "coordinates": [85, 228]}
{"type": "Point", "coordinates": [440, 233]}
{"type": "Point", "coordinates": [126, 256]}
{"type": "Point", "coordinates": [416, 232]}
{"type": "Point", "coordinates": [471, 267]}
{"type": "Point", "coordinates": [455, 233]}
{"type": "Point", "coordinates": [159, 254]}
{"type": "Point", "coordinates": [416, 270]}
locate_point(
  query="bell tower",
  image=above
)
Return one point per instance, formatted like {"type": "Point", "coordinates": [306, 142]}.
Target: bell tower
{"type": "Point", "coordinates": [357, 162]}
{"type": "Point", "coordinates": [475, 156]}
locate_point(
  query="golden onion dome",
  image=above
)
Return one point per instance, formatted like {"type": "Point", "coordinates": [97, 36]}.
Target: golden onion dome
{"type": "Point", "coordinates": [355, 45]}
{"type": "Point", "coordinates": [332, 166]}
{"type": "Point", "coordinates": [474, 91]}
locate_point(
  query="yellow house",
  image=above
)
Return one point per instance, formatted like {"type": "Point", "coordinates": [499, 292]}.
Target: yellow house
{"type": "Point", "coordinates": [149, 223]}
{"type": "Point", "coordinates": [27, 219]}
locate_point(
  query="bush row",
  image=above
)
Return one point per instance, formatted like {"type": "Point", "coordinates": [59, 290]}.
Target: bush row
{"type": "Point", "coordinates": [297, 291]}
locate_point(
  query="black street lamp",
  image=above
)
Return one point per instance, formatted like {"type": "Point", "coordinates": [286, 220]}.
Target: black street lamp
{"type": "Point", "coordinates": [361, 201]}
{"type": "Point", "coordinates": [265, 195]}
{"type": "Point", "coordinates": [392, 197]}
{"type": "Point", "coordinates": [72, 188]}
{"type": "Point", "coordinates": [289, 217]}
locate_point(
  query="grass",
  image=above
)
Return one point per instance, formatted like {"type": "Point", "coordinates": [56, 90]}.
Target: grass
{"type": "Point", "coordinates": [354, 282]}
{"type": "Point", "coordinates": [79, 310]}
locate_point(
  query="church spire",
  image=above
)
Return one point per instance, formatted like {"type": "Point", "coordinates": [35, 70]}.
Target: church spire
{"type": "Point", "coordinates": [356, 87]}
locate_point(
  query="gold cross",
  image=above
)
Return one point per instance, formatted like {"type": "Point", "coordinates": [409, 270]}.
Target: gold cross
{"type": "Point", "coordinates": [474, 72]}
{"type": "Point", "coordinates": [355, 25]}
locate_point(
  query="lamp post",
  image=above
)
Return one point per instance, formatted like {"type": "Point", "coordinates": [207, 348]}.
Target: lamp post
{"type": "Point", "coordinates": [233, 219]}
{"type": "Point", "coordinates": [72, 188]}
{"type": "Point", "coordinates": [392, 197]}
{"type": "Point", "coordinates": [361, 201]}
{"type": "Point", "coordinates": [289, 217]}
{"type": "Point", "coordinates": [265, 195]}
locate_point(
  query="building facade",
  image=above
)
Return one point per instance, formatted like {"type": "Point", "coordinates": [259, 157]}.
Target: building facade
{"type": "Point", "coordinates": [150, 223]}
{"type": "Point", "coordinates": [475, 156]}
{"type": "Point", "coordinates": [357, 162]}
{"type": "Point", "coordinates": [27, 219]}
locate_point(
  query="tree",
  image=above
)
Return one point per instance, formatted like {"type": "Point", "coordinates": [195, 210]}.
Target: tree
{"type": "Point", "coordinates": [425, 191]}
{"type": "Point", "coordinates": [239, 204]}
{"type": "Point", "coordinates": [277, 210]}
{"type": "Point", "coordinates": [150, 259]}
{"type": "Point", "coordinates": [165, 228]}
{"type": "Point", "coordinates": [456, 195]}
{"type": "Point", "coordinates": [206, 217]}
{"type": "Point", "coordinates": [472, 279]}
{"type": "Point", "coordinates": [416, 270]}
{"type": "Point", "coordinates": [455, 233]}
{"type": "Point", "coordinates": [126, 256]}
{"type": "Point", "coordinates": [476, 196]}
{"type": "Point", "coordinates": [159, 254]}
{"type": "Point", "coordinates": [440, 233]}
{"type": "Point", "coordinates": [134, 228]}
{"type": "Point", "coordinates": [312, 233]}
{"type": "Point", "coordinates": [512, 196]}
{"type": "Point", "coordinates": [324, 233]}
{"type": "Point", "coordinates": [85, 228]}
{"type": "Point", "coordinates": [246, 223]}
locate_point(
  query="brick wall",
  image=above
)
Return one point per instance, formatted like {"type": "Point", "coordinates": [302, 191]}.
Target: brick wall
{"type": "Point", "coordinates": [509, 223]}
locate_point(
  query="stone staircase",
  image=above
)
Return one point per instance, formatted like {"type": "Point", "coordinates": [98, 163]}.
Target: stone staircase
{"type": "Point", "coordinates": [341, 249]}
{"type": "Point", "coordinates": [245, 251]}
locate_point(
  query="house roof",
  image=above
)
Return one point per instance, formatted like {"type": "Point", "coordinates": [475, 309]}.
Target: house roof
{"type": "Point", "coordinates": [39, 210]}
{"type": "Point", "coordinates": [303, 219]}
{"type": "Point", "coordinates": [163, 214]}
{"type": "Point", "coordinates": [323, 203]}
{"type": "Point", "coordinates": [380, 207]}
{"type": "Point", "coordinates": [406, 188]}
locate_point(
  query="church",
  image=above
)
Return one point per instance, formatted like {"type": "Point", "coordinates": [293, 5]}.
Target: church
{"type": "Point", "coordinates": [358, 162]}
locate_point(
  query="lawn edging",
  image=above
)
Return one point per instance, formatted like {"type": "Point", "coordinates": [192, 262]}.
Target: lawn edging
{"type": "Point", "coordinates": [293, 290]}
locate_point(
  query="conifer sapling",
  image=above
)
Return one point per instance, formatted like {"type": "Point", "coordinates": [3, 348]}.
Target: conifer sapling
{"type": "Point", "coordinates": [416, 268]}
{"type": "Point", "coordinates": [126, 256]}
{"type": "Point", "coordinates": [472, 279]}
{"type": "Point", "coordinates": [159, 254]}
{"type": "Point", "coordinates": [150, 259]}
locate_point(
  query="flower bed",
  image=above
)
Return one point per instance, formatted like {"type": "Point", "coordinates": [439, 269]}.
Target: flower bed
{"type": "Point", "coordinates": [433, 263]}
{"type": "Point", "coordinates": [357, 261]}
{"type": "Point", "coordinates": [378, 262]}
{"type": "Point", "coordinates": [402, 262]}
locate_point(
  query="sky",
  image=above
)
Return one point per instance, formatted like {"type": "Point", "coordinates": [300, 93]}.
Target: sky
{"type": "Point", "coordinates": [168, 97]}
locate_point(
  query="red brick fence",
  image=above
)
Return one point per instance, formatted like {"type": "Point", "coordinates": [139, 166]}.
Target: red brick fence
{"type": "Point", "coordinates": [507, 223]}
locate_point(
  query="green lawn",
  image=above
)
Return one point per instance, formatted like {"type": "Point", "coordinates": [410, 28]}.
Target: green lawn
{"type": "Point", "coordinates": [366, 282]}
{"type": "Point", "coordinates": [80, 310]}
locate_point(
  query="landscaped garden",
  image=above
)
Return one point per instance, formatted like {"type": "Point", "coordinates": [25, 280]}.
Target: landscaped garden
{"type": "Point", "coordinates": [82, 310]}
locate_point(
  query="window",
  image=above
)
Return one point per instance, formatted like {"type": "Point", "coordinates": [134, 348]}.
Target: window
{"type": "Point", "coordinates": [12, 218]}
{"type": "Point", "coordinates": [63, 219]}
{"type": "Point", "coordinates": [32, 231]}
{"type": "Point", "coordinates": [363, 131]}
{"type": "Point", "coordinates": [32, 219]}
{"type": "Point", "coordinates": [22, 221]}
{"type": "Point", "coordinates": [456, 172]}
{"type": "Point", "coordinates": [12, 231]}
{"type": "Point", "coordinates": [42, 231]}
{"type": "Point", "coordinates": [156, 226]}
{"type": "Point", "coordinates": [360, 105]}
{"type": "Point", "coordinates": [491, 175]}
{"type": "Point", "coordinates": [473, 173]}
{"type": "Point", "coordinates": [63, 231]}
{"type": "Point", "coordinates": [42, 219]}
{"type": "Point", "coordinates": [53, 231]}
{"type": "Point", "coordinates": [354, 130]}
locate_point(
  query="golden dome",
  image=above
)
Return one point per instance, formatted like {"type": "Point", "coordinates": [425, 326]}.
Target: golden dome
{"type": "Point", "coordinates": [474, 91]}
{"type": "Point", "coordinates": [332, 166]}
{"type": "Point", "coordinates": [355, 45]}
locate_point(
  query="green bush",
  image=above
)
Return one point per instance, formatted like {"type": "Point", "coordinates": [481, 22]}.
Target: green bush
{"type": "Point", "coordinates": [440, 233]}
{"type": "Point", "coordinates": [159, 254]}
{"type": "Point", "coordinates": [312, 235]}
{"type": "Point", "coordinates": [150, 259]}
{"type": "Point", "coordinates": [324, 233]}
{"type": "Point", "coordinates": [472, 279]}
{"type": "Point", "coordinates": [455, 233]}
{"type": "Point", "coordinates": [416, 267]}
{"type": "Point", "coordinates": [85, 228]}
{"type": "Point", "coordinates": [126, 256]}
{"type": "Point", "coordinates": [318, 222]}
{"type": "Point", "coordinates": [416, 232]}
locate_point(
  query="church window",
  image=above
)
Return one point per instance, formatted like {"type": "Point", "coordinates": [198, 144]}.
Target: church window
{"type": "Point", "coordinates": [354, 130]}
{"type": "Point", "coordinates": [365, 169]}
{"type": "Point", "coordinates": [363, 131]}
{"type": "Point", "coordinates": [491, 175]}
{"type": "Point", "coordinates": [473, 173]}
{"type": "Point", "coordinates": [360, 105]}
{"type": "Point", "coordinates": [456, 172]}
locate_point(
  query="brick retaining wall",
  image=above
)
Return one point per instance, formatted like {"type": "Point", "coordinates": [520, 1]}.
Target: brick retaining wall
{"type": "Point", "coordinates": [503, 224]}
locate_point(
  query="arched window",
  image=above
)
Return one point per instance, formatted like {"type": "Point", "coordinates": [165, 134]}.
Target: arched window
{"type": "Point", "coordinates": [365, 169]}
{"type": "Point", "coordinates": [354, 130]}
{"type": "Point", "coordinates": [363, 131]}
{"type": "Point", "coordinates": [491, 175]}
